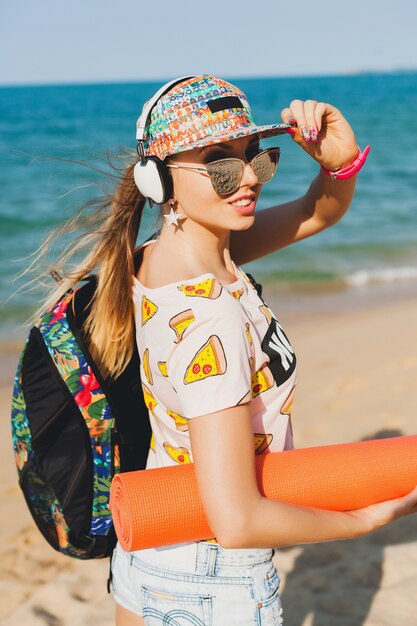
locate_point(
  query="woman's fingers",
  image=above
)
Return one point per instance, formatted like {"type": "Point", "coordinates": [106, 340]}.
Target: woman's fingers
{"type": "Point", "coordinates": [297, 110]}
{"type": "Point", "coordinates": [308, 116]}
{"type": "Point", "coordinates": [319, 112]}
{"type": "Point", "coordinates": [410, 502]}
{"type": "Point", "coordinates": [321, 130]}
{"type": "Point", "coordinates": [377, 515]}
{"type": "Point", "coordinates": [386, 512]}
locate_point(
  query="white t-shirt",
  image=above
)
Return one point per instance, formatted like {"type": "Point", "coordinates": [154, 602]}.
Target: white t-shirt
{"type": "Point", "coordinates": [204, 347]}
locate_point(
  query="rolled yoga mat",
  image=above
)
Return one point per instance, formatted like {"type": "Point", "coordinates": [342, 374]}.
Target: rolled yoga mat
{"type": "Point", "coordinates": [161, 506]}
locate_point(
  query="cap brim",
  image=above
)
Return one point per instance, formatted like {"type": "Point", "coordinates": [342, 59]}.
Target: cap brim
{"type": "Point", "coordinates": [263, 131]}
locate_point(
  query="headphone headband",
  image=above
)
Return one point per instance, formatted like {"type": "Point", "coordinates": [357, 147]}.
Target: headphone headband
{"type": "Point", "coordinates": [151, 177]}
{"type": "Point", "coordinates": [148, 106]}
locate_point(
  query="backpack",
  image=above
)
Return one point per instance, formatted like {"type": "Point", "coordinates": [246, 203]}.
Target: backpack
{"type": "Point", "coordinates": [72, 430]}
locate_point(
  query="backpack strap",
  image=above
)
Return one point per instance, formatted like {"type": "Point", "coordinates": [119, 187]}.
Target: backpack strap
{"type": "Point", "coordinates": [125, 396]}
{"type": "Point", "coordinates": [255, 284]}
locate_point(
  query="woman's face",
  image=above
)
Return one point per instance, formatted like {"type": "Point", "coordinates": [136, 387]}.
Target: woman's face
{"type": "Point", "coordinates": [196, 197]}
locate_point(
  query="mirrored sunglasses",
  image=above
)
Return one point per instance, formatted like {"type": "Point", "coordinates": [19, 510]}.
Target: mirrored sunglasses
{"type": "Point", "coordinates": [226, 174]}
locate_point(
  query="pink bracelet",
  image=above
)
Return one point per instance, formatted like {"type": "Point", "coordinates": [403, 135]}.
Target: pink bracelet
{"type": "Point", "coordinates": [351, 169]}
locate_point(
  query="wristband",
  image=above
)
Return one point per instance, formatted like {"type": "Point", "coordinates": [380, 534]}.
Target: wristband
{"type": "Point", "coordinates": [351, 169]}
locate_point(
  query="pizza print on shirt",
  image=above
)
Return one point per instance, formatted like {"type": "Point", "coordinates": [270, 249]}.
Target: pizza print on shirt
{"type": "Point", "coordinates": [237, 294]}
{"type": "Point", "coordinates": [179, 455]}
{"type": "Point", "coordinates": [183, 341]}
{"type": "Point", "coordinates": [179, 323]}
{"type": "Point", "coordinates": [262, 442]}
{"type": "Point", "coordinates": [209, 288]}
{"type": "Point", "coordinates": [262, 380]}
{"type": "Point", "coordinates": [286, 408]}
{"type": "Point", "coordinates": [146, 368]}
{"type": "Point", "coordinates": [248, 335]}
{"type": "Point", "coordinates": [210, 360]}
{"type": "Point", "coordinates": [162, 365]}
{"type": "Point", "coordinates": [268, 315]}
{"type": "Point", "coordinates": [148, 310]}
{"type": "Point", "coordinates": [181, 422]}
{"type": "Point", "coordinates": [149, 399]}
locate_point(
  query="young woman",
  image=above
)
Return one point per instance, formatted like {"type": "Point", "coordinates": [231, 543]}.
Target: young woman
{"type": "Point", "coordinates": [218, 371]}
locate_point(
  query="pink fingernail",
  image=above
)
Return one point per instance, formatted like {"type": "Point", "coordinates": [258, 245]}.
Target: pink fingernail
{"type": "Point", "coordinates": [305, 133]}
{"type": "Point", "coordinates": [313, 134]}
{"type": "Point", "coordinates": [290, 131]}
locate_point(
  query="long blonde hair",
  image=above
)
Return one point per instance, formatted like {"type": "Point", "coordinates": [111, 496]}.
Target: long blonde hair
{"type": "Point", "coordinates": [109, 237]}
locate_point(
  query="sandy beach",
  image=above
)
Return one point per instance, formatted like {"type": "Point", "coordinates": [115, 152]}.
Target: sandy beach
{"type": "Point", "coordinates": [357, 379]}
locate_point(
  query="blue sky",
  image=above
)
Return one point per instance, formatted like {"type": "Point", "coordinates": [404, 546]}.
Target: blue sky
{"type": "Point", "coordinates": [57, 41]}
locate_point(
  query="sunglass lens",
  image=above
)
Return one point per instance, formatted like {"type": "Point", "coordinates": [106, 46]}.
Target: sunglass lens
{"type": "Point", "coordinates": [225, 175]}
{"type": "Point", "coordinates": [264, 164]}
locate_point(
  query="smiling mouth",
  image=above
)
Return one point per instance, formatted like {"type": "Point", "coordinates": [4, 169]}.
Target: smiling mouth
{"type": "Point", "coordinates": [243, 202]}
{"type": "Point", "coordinates": [244, 206]}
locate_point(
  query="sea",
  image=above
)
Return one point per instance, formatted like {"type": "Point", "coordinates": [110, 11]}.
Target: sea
{"type": "Point", "coordinates": [55, 140]}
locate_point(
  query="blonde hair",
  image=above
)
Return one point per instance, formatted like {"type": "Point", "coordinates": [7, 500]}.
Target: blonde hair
{"type": "Point", "coordinates": [110, 234]}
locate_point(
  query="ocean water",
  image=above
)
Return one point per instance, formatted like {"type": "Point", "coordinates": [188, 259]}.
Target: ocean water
{"type": "Point", "coordinates": [43, 130]}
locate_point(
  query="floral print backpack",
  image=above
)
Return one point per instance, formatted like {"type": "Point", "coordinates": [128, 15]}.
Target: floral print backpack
{"type": "Point", "coordinates": [72, 430]}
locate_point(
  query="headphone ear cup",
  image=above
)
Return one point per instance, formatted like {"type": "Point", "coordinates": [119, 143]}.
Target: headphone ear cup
{"type": "Point", "coordinates": [153, 180]}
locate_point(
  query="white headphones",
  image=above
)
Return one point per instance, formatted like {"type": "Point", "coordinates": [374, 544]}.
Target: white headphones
{"type": "Point", "coordinates": [152, 178]}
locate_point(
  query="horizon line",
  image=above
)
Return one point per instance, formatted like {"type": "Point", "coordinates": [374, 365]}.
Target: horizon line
{"type": "Point", "coordinates": [134, 81]}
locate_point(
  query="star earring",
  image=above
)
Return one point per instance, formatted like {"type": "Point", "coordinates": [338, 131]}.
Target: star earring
{"type": "Point", "coordinates": [172, 217]}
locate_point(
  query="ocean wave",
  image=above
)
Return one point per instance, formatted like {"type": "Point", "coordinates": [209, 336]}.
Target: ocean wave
{"type": "Point", "coordinates": [385, 275]}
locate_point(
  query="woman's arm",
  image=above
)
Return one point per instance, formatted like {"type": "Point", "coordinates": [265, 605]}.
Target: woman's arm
{"type": "Point", "coordinates": [224, 460]}
{"type": "Point", "coordinates": [324, 204]}
{"type": "Point", "coordinates": [326, 136]}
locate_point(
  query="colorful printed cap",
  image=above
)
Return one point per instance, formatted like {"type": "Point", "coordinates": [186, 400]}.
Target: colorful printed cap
{"type": "Point", "coordinates": [198, 112]}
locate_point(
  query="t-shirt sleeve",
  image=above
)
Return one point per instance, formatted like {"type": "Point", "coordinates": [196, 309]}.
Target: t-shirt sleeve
{"type": "Point", "coordinates": [210, 368]}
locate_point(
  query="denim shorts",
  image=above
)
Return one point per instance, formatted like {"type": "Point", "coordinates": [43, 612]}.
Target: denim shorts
{"type": "Point", "coordinates": [198, 584]}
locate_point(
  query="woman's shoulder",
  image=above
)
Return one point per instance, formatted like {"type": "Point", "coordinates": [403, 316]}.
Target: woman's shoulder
{"type": "Point", "coordinates": [158, 274]}
{"type": "Point", "coordinates": [183, 297]}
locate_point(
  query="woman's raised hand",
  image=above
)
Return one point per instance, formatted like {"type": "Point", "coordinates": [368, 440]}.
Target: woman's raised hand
{"type": "Point", "coordinates": [322, 131]}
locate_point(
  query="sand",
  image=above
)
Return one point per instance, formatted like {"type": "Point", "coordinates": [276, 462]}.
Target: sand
{"type": "Point", "coordinates": [357, 379]}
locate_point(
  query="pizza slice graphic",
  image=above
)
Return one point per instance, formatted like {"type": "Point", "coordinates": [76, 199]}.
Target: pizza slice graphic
{"type": "Point", "coordinates": [179, 323]}
{"type": "Point", "coordinates": [209, 288]}
{"type": "Point", "coordinates": [248, 335]}
{"type": "Point", "coordinates": [262, 441]}
{"type": "Point", "coordinates": [162, 365]}
{"type": "Point", "coordinates": [262, 380]}
{"type": "Point", "coordinates": [286, 408]}
{"type": "Point", "coordinates": [181, 422]}
{"type": "Point", "coordinates": [210, 360]}
{"type": "Point", "coordinates": [237, 294]}
{"type": "Point", "coordinates": [146, 367]}
{"type": "Point", "coordinates": [148, 310]}
{"type": "Point", "coordinates": [179, 455]}
{"type": "Point", "coordinates": [149, 399]}
{"type": "Point", "coordinates": [267, 313]}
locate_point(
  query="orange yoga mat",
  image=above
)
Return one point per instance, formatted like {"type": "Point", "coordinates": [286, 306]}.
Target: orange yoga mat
{"type": "Point", "coordinates": [161, 506]}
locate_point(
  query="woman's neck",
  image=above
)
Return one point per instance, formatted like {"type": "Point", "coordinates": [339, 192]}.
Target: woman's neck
{"type": "Point", "coordinates": [194, 245]}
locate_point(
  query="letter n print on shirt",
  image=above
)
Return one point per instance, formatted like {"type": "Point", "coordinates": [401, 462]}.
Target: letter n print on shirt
{"type": "Point", "coordinates": [282, 358]}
